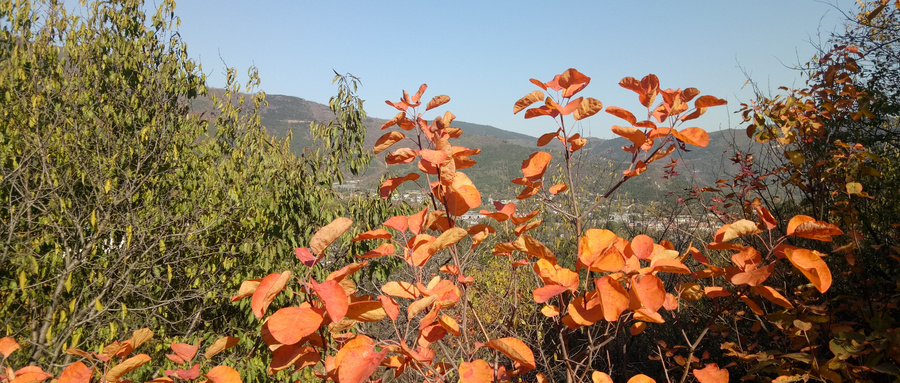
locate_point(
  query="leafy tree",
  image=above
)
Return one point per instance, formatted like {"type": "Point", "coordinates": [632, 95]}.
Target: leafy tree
{"type": "Point", "coordinates": [120, 207]}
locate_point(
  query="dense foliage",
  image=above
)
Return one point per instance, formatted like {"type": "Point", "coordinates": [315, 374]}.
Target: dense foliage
{"type": "Point", "coordinates": [123, 211]}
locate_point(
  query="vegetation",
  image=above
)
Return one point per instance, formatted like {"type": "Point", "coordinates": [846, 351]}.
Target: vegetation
{"type": "Point", "coordinates": [124, 211]}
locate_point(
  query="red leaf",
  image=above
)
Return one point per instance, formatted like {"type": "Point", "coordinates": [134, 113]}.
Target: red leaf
{"type": "Point", "coordinates": [304, 255]}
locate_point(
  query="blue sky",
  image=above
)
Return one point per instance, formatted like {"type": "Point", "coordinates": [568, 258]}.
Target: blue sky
{"type": "Point", "coordinates": [482, 53]}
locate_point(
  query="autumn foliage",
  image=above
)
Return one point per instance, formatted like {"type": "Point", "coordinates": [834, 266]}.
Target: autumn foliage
{"type": "Point", "coordinates": [617, 283]}
{"type": "Point", "coordinates": [752, 299]}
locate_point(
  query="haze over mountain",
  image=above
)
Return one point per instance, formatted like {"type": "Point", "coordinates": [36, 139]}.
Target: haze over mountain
{"type": "Point", "coordinates": [602, 160]}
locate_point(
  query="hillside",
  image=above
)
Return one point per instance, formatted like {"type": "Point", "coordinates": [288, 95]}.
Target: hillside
{"type": "Point", "coordinates": [601, 160]}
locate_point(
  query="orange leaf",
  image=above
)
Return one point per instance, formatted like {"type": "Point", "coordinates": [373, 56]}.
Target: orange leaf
{"type": "Point", "coordinates": [534, 167]}
{"type": "Point", "coordinates": [223, 374]}
{"type": "Point", "coordinates": [516, 350]}
{"type": "Point", "coordinates": [773, 296]}
{"type": "Point", "coordinates": [650, 291]}
{"type": "Point", "coordinates": [366, 311]}
{"type": "Point", "coordinates": [550, 311]}
{"type": "Point", "coordinates": [602, 377]}
{"type": "Point", "coordinates": [334, 296]}
{"type": "Point", "coordinates": [766, 217]}
{"type": "Point", "coordinates": [400, 156]}
{"type": "Point", "coordinates": [711, 374]}
{"type": "Point", "coordinates": [268, 288]}
{"type": "Point", "coordinates": [812, 266]}
{"type": "Point", "coordinates": [76, 372]}
{"type": "Point", "coordinates": [391, 308]}
{"type": "Point", "coordinates": [546, 138]}
{"type": "Point", "coordinates": [220, 345]}
{"type": "Point", "coordinates": [393, 121]}
{"type": "Point", "coordinates": [642, 246]}
{"type": "Point", "coordinates": [288, 355]}
{"type": "Point", "coordinates": [596, 251]}
{"type": "Point", "coordinates": [7, 346]}
{"type": "Point", "coordinates": [613, 297]}
{"type": "Point", "coordinates": [373, 234]}
{"type": "Point", "coordinates": [668, 265]}
{"type": "Point", "coordinates": [588, 107]}
{"type": "Point", "coordinates": [449, 324]}
{"type": "Point", "coordinates": [399, 223]}
{"type": "Point", "coordinates": [638, 328]}
{"type": "Point", "coordinates": [732, 231]}
{"type": "Point", "coordinates": [533, 247]}
{"type": "Point", "coordinates": [447, 239]}
{"type": "Point", "coordinates": [185, 351]}
{"type": "Point", "coordinates": [530, 191]}
{"type": "Point", "coordinates": [125, 367]}
{"type": "Point", "coordinates": [632, 134]}
{"type": "Point", "coordinates": [716, 292]}
{"type": "Point", "coordinates": [343, 272]}
{"type": "Point", "coordinates": [327, 234]}
{"type": "Point", "coordinates": [693, 136]}
{"type": "Point", "coordinates": [401, 290]}
{"type": "Point", "coordinates": [807, 227]}
{"type": "Point", "coordinates": [622, 113]}
{"type": "Point", "coordinates": [708, 101]}
{"type": "Point", "coordinates": [576, 142]}
{"type": "Point", "coordinates": [437, 101]}
{"type": "Point", "coordinates": [476, 372]}
{"type": "Point", "coordinates": [419, 305]}
{"type": "Point", "coordinates": [388, 139]}
{"type": "Point", "coordinates": [384, 249]}
{"type": "Point", "coordinates": [558, 188]}
{"type": "Point", "coordinates": [392, 183]}
{"type": "Point", "coordinates": [543, 294]}
{"type": "Point", "coordinates": [291, 324]}
{"type": "Point", "coordinates": [526, 101]}
{"type": "Point", "coordinates": [357, 360]}
{"type": "Point", "coordinates": [641, 378]}
{"type": "Point", "coordinates": [754, 277]}
{"type": "Point", "coordinates": [462, 195]}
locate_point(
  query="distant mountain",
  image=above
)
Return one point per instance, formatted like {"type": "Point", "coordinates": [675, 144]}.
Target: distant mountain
{"type": "Point", "coordinates": [503, 152]}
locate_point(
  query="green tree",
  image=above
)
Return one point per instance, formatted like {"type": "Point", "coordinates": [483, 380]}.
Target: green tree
{"type": "Point", "coordinates": [123, 209]}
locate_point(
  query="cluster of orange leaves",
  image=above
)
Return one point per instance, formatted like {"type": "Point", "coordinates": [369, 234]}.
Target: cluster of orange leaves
{"type": "Point", "coordinates": [627, 271]}
{"type": "Point", "coordinates": [103, 364]}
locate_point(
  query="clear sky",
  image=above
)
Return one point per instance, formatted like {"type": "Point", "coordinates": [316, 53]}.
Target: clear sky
{"type": "Point", "coordinates": [482, 53]}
